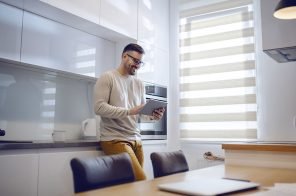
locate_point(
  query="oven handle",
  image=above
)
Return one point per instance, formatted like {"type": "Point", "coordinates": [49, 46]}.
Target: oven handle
{"type": "Point", "coordinates": [156, 98]}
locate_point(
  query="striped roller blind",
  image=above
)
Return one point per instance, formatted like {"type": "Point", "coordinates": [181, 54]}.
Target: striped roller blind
{"type": "Point", "coordinates": [217, 70]}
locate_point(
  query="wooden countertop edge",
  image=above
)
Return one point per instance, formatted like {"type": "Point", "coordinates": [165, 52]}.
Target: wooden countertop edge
{"type": "Point", "coordinates": [261, 147]}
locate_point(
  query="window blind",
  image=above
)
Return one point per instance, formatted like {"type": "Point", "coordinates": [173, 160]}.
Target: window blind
{"type": "Point", "coordinates": [217, 70]}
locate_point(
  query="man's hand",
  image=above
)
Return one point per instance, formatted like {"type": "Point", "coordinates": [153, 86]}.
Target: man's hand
{"type": "Point", "coordinates": [157, 114]}
{"type": "Point", "coordinates": [136, 109]}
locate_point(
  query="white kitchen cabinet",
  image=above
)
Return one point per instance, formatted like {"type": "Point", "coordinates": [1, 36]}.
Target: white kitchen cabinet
{"type": "Point", "coordinates": [89, 10]}
{"type": "Point", "coordinates": [120, 16]}
{"type": "Point", "coordinates": [10, 31]}
{"type": "Point", "coordinates": [149, 147]}
{"type": "Point", "coordinates": [54, 45]}
{"type": "Point", "coordinates": [55, 174]}
{"type": "Point", "coordinates": [156, 68]}
{"type": "Point", "coordinates": [153, 36]}
{"type": "Point", "coordinates": [153, 23]}
{"type": "Point", "coordinates": [18, 174]}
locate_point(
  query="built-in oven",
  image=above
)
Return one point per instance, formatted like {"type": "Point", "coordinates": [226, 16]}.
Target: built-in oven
{"type": "Point", "coordinates": [154, 130]}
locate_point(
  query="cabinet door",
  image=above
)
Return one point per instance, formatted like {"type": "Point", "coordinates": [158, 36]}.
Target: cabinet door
{"type": "Point", "coordinates": [10, 31]}
{"type": "Point", "coordinates": [18, 174]}
{"type": "Point", "coordinates": [89, 10]}
{"type": "Point", "coordinates": [154, 23]}
{"type": "Point", "coordinates": [148, 149]}
{"type": "Point", "coordinates": [156, 68]}
{"type": "Point", "coordinates": [53, 45]}
{"type": "Point", "coordinates": [55, 174]}
{"type": "Point", "coordinates": [120, 16]}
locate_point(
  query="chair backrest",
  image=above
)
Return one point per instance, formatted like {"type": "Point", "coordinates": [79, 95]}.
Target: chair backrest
{"type": "Point", "coordinates": [98, 172]}
{"type": "Point", "coordinates": [167, 163]}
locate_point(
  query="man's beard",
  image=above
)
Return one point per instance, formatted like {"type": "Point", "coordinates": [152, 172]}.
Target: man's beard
{"type": "Point", "coordinates": [132, 70]}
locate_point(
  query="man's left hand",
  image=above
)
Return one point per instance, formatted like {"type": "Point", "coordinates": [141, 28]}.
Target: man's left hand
{"type": "Point", "coordinates": [157, 114]}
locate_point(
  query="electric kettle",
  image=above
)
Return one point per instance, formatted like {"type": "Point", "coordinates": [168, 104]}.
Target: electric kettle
{"type": "Point", "coordinates": [90, 128]}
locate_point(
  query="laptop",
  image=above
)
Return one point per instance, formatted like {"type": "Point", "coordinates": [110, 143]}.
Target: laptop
{"type": "Point", "coordinates": [207, 186]}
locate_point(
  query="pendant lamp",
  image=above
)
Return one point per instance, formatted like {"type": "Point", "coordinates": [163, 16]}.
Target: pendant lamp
{"type": "Point", "coordinates": [286, 9]}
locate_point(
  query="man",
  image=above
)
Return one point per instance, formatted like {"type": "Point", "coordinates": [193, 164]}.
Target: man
{"type": "Point", "coordinates": [119, 96]}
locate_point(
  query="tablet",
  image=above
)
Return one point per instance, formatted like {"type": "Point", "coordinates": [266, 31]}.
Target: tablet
{"type": "Point", "coordinates": [207, 186]}
{"type": "Point", "coordinates": [152, 105]}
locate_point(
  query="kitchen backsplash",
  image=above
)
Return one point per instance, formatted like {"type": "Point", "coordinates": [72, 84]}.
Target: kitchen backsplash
{"type": "Point", "coordinates": [33, 104]}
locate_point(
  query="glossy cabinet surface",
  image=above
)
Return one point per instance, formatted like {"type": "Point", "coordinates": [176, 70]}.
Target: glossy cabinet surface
{"type": "Point", "coordinates": [120, 16]}
{"type": "Point", "coordinates": [10, 32]}
{"type": "Point", "coordinates": [153, 35]}
{"type": "Point", "coordinates": [148, 149]}
{"type": "Point", "coordinates": [19, 174]}
{"type": "Point", "coordinates": [156, 68]}
{"type": "Point", "coordinates": [154, 23]}
{"type": "Point", "coordinates": [55, 174]}
{"type": "Point", "coordinates": [89, 10]}
{"type": "Point", "coordinates": [50, 44]}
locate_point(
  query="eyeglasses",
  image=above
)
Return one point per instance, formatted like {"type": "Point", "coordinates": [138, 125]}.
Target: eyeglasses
{"type": "Point", "coordinates": [136, 61]}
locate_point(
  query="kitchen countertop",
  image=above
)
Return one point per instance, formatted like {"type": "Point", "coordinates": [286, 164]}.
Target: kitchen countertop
{"type": "Point", "coordinates": [16, 145]}
{"type": "Point", "coordinates": [47, 144]}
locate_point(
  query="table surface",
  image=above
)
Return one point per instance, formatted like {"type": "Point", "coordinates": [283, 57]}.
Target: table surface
{"type": "Point", "coordinates": [266, 177]}
{"type": "Point", "coordinates": [276, 147]}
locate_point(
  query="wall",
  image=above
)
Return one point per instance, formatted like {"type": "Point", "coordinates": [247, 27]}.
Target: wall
{"type": "Point", "coordinates": [194, 154]}
{"type": "Point", "coordinates": [33, 104]}
{"type": "Point", "coordinates": [173, 87]}
{"type": "Point", "coordinates": [276, 93]}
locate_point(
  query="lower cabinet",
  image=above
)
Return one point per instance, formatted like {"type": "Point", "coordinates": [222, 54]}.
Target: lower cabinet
{"type": "Point", "coordinates": [55, 174]}
{"type": "Point", "coordinates": [19, 174]}
{"type": "Point", "coordinates": [149, 147]}
{"type": "Point", "coordinates": [47, 172]}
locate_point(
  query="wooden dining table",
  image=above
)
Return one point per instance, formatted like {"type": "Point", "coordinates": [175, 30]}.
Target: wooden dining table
{"type": "Point", "coordinates": [266, 177]}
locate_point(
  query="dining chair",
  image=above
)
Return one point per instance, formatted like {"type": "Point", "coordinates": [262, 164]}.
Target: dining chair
{"type": "Point", "coordinates": [167, 163]}
{"type": "Point", "coordinates": [98, 172]}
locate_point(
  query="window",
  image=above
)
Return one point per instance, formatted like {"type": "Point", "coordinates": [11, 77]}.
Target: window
{"type": "Point", "coordinates": [217, 70]}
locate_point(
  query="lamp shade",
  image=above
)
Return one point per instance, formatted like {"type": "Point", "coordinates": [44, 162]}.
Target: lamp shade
{"type": "Point", "coordinates": [286, 9]}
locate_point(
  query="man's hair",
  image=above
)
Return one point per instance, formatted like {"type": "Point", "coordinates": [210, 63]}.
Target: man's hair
{"type": "Point", "coordinates": [133, 47]}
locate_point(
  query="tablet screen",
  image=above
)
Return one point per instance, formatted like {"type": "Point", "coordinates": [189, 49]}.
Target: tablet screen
{"type": "Point", "coordinates": [152, 105]}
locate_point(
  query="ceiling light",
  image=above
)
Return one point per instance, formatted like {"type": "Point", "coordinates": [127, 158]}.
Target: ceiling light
{"type": "Point", "coordinates": [286, 9]}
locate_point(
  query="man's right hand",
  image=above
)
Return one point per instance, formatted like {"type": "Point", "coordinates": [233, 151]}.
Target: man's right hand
{"type": "Point", "coordinates": [136, 110]}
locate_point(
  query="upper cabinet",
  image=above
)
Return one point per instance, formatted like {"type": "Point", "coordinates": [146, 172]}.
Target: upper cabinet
{"type": "Point", "coordinates": [53, 45]}
{"type": "Point", "coordinates": [89, 10]}
{"type": "Point", "coordinates": [156, 68]}
{"type": "Point", "coordinates": [84, 37]}
{"type": "Point", "coordinates": [10, 31]}
{"type": "Point", "coordinates": [154, 23]}
{"type": "Point", "coordinates": [120, 16]}
{"type": "Point", "coordinates": [153, 35]}
{"type": "Point", "coordinates": [116, 16]}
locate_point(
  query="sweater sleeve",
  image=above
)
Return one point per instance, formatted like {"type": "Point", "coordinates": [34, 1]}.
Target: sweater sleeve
{"type": "Point", "coordinates": [102, 92]}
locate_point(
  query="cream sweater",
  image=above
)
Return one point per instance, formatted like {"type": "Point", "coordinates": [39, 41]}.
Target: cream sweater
{"type": "Point", "coordinates": [114, 95]}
